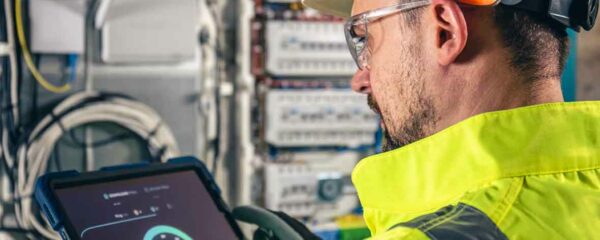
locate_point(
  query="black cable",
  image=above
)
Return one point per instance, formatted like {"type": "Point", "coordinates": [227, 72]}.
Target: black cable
{"type": "Point", "coordinates": [90, 40]}
{"type": "Point", "coordinates": [7, 107]}
{"type": "Point", "coordinates": [34, 96]}
{"type": "Point", "coordinates": [215, 164]}
{"type": "Point", "coordinates": [56, 117]}
{"type": "Point", "coordinates": [73, 141]}
{"type": "Point", "coordinates": [20, 76]}
{"type": "Point", "coordinates": [84, 157]}
{"type": "Point", "coordinates": [56, 157]}
{"type": "Point", "coordinates": [21, 231]}
{"type": "Point", "coordinates": [3, 33]}
{"type": "Point", "coordinates": [7, 120]}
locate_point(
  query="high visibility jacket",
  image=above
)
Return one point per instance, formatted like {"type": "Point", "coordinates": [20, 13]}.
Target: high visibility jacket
{"type": "Point", "coordinates": [525, 173]}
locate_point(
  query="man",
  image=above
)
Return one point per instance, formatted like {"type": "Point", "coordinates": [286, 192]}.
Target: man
{"type": "Point", "coordinates": [479, 142]}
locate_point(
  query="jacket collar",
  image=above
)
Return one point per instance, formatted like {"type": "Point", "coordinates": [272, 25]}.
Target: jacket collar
{"type": "Point", "coordinates": [439, 169]}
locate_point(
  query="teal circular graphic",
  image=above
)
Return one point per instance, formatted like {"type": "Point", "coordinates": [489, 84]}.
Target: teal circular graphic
{"type": "Point", "coordinates": [165, 232]}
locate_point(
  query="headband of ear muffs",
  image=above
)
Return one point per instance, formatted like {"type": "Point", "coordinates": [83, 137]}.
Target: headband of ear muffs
{"type": "Point", "coordinates": [573, 14]}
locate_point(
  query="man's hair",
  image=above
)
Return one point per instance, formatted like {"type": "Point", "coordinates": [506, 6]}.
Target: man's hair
{"type": "Point", "coordinates": [539, 47]}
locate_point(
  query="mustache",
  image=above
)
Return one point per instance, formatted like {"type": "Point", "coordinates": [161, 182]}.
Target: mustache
{"type": "Point", "coordinates": [373, 104]}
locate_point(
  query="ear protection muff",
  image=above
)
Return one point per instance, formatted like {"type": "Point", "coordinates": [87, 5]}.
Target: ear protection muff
{"type": "Point", "coordinates": [573, 14]}
{"type": "Point", "coordinates": [584, 13]}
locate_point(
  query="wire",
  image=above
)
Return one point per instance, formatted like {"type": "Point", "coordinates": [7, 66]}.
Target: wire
{"type": "Point", "coordinates": [11, 86]}
{"type": "Point", "coordinates": [216, 116]}
{"type": "Point", "coordinates": [56, 157]}
{"type": "Point", "coordinates": [5, 172]}
{"type": "Point", "coordinates": [78, 110]}
{"type": "Point", "coordinates": [27, 55]}
{"type": "Point", "coordinates": [90, 44]}
{"type": "Point", "coordinates": [73, 141]}
{"type": "Point", "coordinates": [90, 41]}
{"type": "Point", "coordinates": [72, 65]}
{"type": "Point", "coordinates": [9, 136]}
{"type": "Point", "coordinates": [10, 32]}
{"type": "Point", "coordinates": [10, 115]}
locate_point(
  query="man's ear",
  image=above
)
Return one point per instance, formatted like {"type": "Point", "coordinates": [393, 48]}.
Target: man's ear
{"type": "Point", "coordinates": [450, 29]}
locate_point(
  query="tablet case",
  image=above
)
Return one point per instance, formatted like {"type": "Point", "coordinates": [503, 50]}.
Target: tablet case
{"type": "Point", "coordinates": [50, 206]}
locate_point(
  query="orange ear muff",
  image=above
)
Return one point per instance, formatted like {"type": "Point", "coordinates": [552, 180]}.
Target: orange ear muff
{"type": "Point", "coordinates": [479, 2]}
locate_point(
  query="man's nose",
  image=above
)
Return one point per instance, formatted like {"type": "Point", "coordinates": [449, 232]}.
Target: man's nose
{"type": "Point", "coordinates": [361, 82]}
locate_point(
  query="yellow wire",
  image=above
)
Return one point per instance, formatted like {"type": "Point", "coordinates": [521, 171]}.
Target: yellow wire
{"type": "Point", "coordinates": [27, 55]}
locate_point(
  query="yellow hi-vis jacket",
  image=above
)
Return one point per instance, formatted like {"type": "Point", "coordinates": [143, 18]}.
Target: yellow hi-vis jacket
{"type": "Point", "coordinates": [526, 173]}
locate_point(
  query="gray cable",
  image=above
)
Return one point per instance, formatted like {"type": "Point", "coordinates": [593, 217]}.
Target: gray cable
{"type": "Point", "coordinates": [266, 220]}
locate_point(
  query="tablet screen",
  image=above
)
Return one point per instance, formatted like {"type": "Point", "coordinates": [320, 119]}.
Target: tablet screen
{"type": "Point", "coordinates": [173, 206]}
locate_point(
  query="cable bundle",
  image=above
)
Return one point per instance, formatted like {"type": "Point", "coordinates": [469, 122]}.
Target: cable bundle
{"type": "Point", "coordinates": [77, 110]}
{"type": "Point", "coordinates": [24, 152]}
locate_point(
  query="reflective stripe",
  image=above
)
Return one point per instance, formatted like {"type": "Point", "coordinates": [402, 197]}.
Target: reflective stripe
{"type": "Point", "coordinates": [456, 222]}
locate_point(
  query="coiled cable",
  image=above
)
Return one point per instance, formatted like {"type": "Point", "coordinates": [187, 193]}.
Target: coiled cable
{"type": "Point", "coordinates": [78, 110]}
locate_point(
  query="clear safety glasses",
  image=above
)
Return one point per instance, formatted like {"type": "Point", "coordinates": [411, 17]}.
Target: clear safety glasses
{"type": "Point", "coordinates": [357, 34]}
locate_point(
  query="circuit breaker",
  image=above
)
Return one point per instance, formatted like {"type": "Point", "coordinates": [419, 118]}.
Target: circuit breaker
{"type": "Point", "coordinates": [319, 188]}
{"type": "Point", "coordinates": [307, 48]}
{"type": "Point", "coordinates": [319, 117]}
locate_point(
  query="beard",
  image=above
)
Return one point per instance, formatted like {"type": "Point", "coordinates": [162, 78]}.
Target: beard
{"type": "Point", "coordinates": [420, 118]}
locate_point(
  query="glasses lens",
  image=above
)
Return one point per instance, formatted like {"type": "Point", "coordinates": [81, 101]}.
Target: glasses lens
{"type": "Point", "coordinates": [356, 43]}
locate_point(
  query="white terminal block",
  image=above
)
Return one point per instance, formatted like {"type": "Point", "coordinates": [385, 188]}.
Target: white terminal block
{"type": "Point", "coordinates": [333, 117]}
{"type": "Point", "coordinates": [305, 48]}
{"type": "Point", "coordinates": [294, 187]}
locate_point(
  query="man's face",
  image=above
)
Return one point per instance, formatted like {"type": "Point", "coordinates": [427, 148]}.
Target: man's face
{"type": "Point", "coordinates": [395, 77]}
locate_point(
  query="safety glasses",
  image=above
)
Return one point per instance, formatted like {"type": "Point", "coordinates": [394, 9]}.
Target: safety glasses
{"type": "Point", "coordinates": [357, 31]}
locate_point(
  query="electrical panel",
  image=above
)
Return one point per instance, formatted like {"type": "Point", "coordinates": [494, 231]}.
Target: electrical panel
{"type": "Point", "coordinates": [325, 117]}
{"type": "Point", "coordinates": [309, 127]}
{"type": "Point", "coordinates": [320, 189]}
{"type": "Point", "coordinates": [307, 48]}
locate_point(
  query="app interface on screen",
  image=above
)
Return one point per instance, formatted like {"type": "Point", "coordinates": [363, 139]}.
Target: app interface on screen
{"type": "Point", "coordinates": [173, 206]}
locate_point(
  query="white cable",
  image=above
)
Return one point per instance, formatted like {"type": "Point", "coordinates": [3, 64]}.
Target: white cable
{"type": "Point", "coordinates": [101, 13]}
{"type": "Point", "coordinates": [10, 32]}
{"type": "Point", "coordinates": [245, 81]}
{"type": "Point", "coordinates": [133, 115]}
{"type": "Point", "coordinates": [10, 48]}
{"type": "Point", "coordinates": [4, 49]}
{"type": "Point", "coordinates": [14, 101]}
{"type": "Point", "coordinates": [89, 149]}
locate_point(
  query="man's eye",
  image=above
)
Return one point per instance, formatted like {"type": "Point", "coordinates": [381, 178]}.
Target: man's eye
{"type": "Point", "coordinates": [359, 40]}
{"type": "Point", "coordinates": [357, 34]}
{"type": "Point", "coordinates": [358, 30]}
